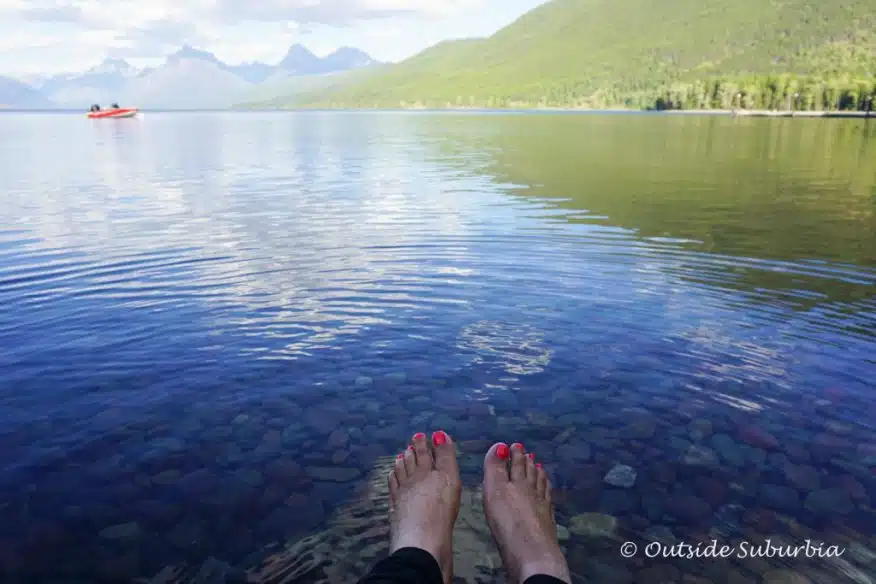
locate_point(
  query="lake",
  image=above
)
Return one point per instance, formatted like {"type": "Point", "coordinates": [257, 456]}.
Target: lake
{"type": "Point", "coordinates": [218, 329]}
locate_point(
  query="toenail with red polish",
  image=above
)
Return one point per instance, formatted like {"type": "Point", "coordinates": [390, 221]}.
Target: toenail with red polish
{"type": "Point", "coordinates": [410, 446]}
{"type": "Point", "coordinates": [419, 436]}
{"type": "Point", "coordinates": [502, 451]}
{"type": "Point", "coordinates": [538, 465]}
{"type": "Point", "coordinates": [439, 438]}
{"type": "Point", "coordinates": [517, 445]}
{"type": "Point", "coordinates": [531, 456]}
{"type": "Point", "coordinates": [400, 456]}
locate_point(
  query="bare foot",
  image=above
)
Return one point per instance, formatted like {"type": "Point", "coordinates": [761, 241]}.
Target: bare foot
{"type": "Point", "coordinates": [517, 503]}
{"type": "Point", "coordinates": [424, 490]}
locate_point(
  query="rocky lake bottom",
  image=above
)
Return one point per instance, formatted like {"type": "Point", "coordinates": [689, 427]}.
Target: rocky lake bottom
{"type": "Point", "coordinates": [287, 491]}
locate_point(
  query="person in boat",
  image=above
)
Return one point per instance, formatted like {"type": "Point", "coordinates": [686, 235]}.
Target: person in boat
{"type": "Point", "coordinates": [424, 497]}
{"type": "Point", "coordinates": [115, 106]}
{"type": "Point", "coordinates": [95, 108]}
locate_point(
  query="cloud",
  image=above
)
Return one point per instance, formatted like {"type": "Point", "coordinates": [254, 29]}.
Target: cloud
{"type": "Point", "coordinates": [149, 30]}
{"type": "Point", "coordinates": [156, 37]}
{"type": "Point", "coordinates": [326, 12]}
{"type": "Point", "coordinates": [333, 12]}
{"type": "Point", "coordinates": [158, 23]}
{"type": "Point", "coordinates": [52, 11]}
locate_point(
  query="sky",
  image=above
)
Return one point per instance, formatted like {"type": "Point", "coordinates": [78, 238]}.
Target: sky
{"type": "Point", "coordinates": [52, 36]}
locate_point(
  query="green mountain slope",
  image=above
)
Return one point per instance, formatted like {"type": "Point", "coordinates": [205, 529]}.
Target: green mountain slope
{"type": "Point", "coordinates": [274, 92]}
{"type": "Point", "coordinates": [641, 53]}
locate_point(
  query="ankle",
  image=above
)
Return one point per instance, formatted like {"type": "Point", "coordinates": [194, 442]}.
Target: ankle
{"type": "Point", "coordinates": [428, 544]}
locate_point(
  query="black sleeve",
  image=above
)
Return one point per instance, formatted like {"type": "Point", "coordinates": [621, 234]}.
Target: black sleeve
{"type": "Point", "coordinates": [543, 579]}
{"type": "Point", "coordinates": [408, 566]}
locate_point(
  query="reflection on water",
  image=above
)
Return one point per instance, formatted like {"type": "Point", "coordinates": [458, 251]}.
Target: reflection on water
{"type": "Point", "coordinates": [218, 329]}
{"type": "Point", "coordinates": [518, 350]}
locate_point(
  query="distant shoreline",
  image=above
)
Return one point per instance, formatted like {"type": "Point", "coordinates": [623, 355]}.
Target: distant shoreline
{"type": "Point", "coordinates": [692, 112]}
{"type": "Point", "coordinates": [570, 110]}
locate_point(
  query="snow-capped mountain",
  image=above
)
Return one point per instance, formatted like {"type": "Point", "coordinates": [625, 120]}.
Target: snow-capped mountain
{"type": "Point", "coordinates": [110, 66]}
{"type": "Point", "coordinates": [188, 78]}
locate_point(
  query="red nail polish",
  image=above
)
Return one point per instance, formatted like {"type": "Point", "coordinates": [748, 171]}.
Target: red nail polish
{"type": "Point", "coordinates": [400, 456]}
{"type": "Point", "coordinates": [538, 465]}
{"type": "Point", "coordinates": [503, 452]}
{"type": "Point", "coordinates": [419, 436]}
{"type": "Point", "coordinates": [531, 456]}
{"type": "Point", "coordinates": [517, 445]}
{"type": "Point", "coordinates": [410, 446]}
{"type": "Point", "coordinates": [439, 438]}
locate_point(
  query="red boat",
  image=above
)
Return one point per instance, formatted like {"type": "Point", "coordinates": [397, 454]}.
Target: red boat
{"type": "Point", "coordinates": [113, 112]}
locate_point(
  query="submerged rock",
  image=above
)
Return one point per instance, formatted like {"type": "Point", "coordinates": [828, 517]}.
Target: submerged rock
{"type": "Point", "coordinates": [700, 456]}
{"type": "Point", "coordinates": [802, 476]}
{"type": "Point", "coordinates": [338, 439]}
{"type": "Point", "coordinates": [298, 500]}
{"type": "Point", "coordinates": [443, 422]}
{"type": "Point", "coordinates": [333, 474]}
{"type": "Point", "coordinates": [122, 531]}
{"type": "Point", "coordinates": [621, 476]}
{"type": "Point", "coordinates": [168, 444]}
{"type": "Point", "coordinates": [421, 419]}
{"type": "Point", "coordinates": [756, 436]}
{"type": "Point", "coordinates": [688, 508]}
{"type": "Point", "coordinates": [475, 446]}
{"type": "Point", "coordinates": [197, 482]}
{"type": "Point", "coordinates": [711, 489]}
{"type": "Point", "coordinates": [617, 501]}
{"type": "Point", "coordinates": [397, 377]}
{"type": "Point", "coordinates": [593, 525]}
{"type": "Point", "coordinates": [642, 428]}
{"type": "Point", "coordinates": [853, 487]}
{"type": "Point", "coordinates": [167, 477]}
{"type": "Point", "coordinates": [702, 426]}
{"type": "Point", "coordinates": [600, 568]}
{"type": "Point", "coordinates": [785, 577]}
{"type": "Point", "coordinates": [562, 533]}
{"type": "Point", "coordinates": [564, 435]}
{"type": "Point", "coordinates": [579, 452]}
{"type": "Point", "coordinates": [729, 451]}
{"type": "Point", "coordinates": [779, 497]}
{"type": "Point", "coordinates": [249, 477]}
{"type": "Point", "coordinates": [214, 571]}
{"type": "Point", "coordinates": [293, 433]}
{"type": "Point", "coordinates": [186, 534]}
{"type": "Point", "coordinates": [658, 574]}
{"type": "Point", "coordinates": [762, 520]}
{"type": "Point", "coordinates": [867, 451]}
{"type": "Point", "coordinates": [727, 521]}
{"type": "Point", "coordinates": [660, 533]}
{"type": "Point", "coordinates": [283, 469]}
{"type": "Point", "coordinates": [828, 502]}
{"type": "Point", "coordinates": [538, 418]}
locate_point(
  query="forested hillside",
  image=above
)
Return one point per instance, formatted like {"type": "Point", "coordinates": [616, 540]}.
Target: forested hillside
{"type": "Point", "coordinates": [807, 54]}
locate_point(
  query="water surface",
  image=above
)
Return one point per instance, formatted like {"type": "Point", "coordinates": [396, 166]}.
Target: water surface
{"type": "Point", "coordinates": [217, 330]}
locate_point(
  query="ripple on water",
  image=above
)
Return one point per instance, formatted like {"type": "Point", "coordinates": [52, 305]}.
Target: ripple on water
{"type": "Point", "coordinates": [218, 330]}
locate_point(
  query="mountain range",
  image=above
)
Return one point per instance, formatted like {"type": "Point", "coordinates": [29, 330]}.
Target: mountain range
{"type": "Point", "coordinates": [675, 54]}
{"type": "Point", "coordinates": [190, 78]}
{"type": "Point", "coordinates": [637, 54]}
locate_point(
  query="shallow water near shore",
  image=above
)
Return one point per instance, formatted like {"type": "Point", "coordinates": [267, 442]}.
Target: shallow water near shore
{"type": "Point", "coordinates": [218, 329]}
